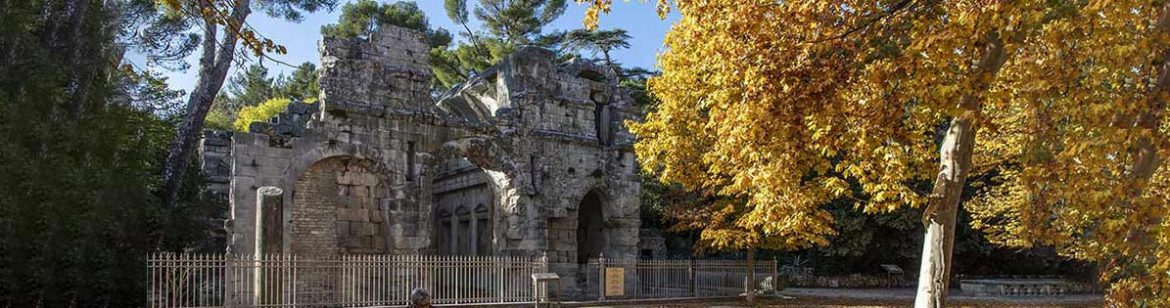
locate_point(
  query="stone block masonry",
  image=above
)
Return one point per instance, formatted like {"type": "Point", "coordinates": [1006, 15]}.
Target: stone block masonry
{"type": "Point", "coordinates": [527, 157]}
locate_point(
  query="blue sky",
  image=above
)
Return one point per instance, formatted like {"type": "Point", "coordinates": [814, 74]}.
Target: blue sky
{"type": "Point", "coordinates": [637, 17]}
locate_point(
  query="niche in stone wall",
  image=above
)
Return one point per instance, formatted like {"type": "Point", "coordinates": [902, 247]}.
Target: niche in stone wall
{"type": "Point", "coordinates": [338, 208]}
{"type": "Point", "coordinates": [601, 117]}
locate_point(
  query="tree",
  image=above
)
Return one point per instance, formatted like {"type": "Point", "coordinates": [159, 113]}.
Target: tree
{"type": "Point", "coordinates": [83, 139]}
{"type": "Point", "coordinates": [249, 88]}
{"type": "Point", "coordinates": [598, 41]}
{"type": "Point", "coordinates": [778, 104]}
{"type": "Point", "coordinates": [1085, 171]}
{"type": "Point", "coordinates": [516, 22]}
{"type": "Point", "coordinates": [216, 57]}
{"type": "Point", "coordinates": [508, 24]}
{"type": "Point", "coordinates": [260, 113]}
{"type": "Point", "coordinates": [301, 85]}
{"type": "Point", "coordinates": [366, 16]}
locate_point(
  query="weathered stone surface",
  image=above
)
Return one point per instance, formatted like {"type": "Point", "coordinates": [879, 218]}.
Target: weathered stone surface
{"type": "Point", "coordinates": [502, 164]}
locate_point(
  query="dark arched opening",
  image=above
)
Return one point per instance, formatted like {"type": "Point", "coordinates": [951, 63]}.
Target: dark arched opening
{"type": "Point", "coordinates": [590, 228]}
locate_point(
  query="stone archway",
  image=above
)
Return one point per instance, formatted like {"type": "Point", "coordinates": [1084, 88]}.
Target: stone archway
{"type": "Point", "coordinates": [465, 179]}
{"type": "Point", "coordinates": [338, 208]}
{"type": "Point", "coordinates": [591, 237]}
{"type": "Point", "coordinates": [580, 234]}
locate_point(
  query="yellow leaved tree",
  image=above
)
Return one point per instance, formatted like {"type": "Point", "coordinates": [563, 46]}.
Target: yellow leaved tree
{"type": "Point", "coordinates": [781, 104]}
{"type": "Point", "coordinates": [1079, 139]}
{"type": "Point", "coordinates": [262, 112]}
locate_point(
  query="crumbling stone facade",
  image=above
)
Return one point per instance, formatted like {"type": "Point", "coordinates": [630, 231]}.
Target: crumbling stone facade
{"type": "Point", "coordinates": [526, 158]}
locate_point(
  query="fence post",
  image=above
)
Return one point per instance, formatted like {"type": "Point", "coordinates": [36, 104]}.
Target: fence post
{"type": "Point", "coordinates": [691, 278]}
{"type": "Point", "coordinates": [229, 278]}
{"type": "Point", "coordinates": [500, 277]}
{"type": "Point", "coordinates": [601, 276]}
{"type": "Point", "coordinates": [543, 289]}
{"type": "Point", "coordinates": [750, 280]}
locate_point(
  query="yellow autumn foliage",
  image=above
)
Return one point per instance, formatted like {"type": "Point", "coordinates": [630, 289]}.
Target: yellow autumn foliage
{"type": "Point", "coordinates": [768, 108]}
{"type": "Point", "coordinates": [262, 112]}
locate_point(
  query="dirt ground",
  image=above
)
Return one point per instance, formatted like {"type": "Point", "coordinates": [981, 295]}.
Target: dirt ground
{"type": "Point", "coordinates": [803, 297]}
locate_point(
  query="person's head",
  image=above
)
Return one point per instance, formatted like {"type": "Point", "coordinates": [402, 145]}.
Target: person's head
{"type": "Point", "coordinates": [420, 298]}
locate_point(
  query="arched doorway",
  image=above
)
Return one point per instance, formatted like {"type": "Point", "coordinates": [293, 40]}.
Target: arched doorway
{"type": "Point", "coordinates": [591, 240]}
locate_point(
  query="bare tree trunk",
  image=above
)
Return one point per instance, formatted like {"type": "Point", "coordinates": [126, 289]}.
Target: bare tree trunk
{"type": "Point", "coordinates": [213, 68]}
{"type": "Point", "coordinates": [955, 153]}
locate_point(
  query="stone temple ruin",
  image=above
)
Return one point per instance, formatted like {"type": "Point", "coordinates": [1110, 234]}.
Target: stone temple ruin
{"type": "Point", "coordinates": [526, 158]}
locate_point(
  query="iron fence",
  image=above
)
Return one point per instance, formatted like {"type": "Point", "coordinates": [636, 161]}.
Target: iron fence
{"type": "Point", "coordinates": [659, 279]}
{"type": "Point", "coordinates": [218, 280]}
{"type": "Point", "coordinates": [206, 280]}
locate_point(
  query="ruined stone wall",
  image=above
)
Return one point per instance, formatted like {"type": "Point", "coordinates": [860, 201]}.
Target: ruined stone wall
{"type": "Point", "coordinates": [215, 151]}
{"type": "Point", "coordinates": [373, 106]}
{"type": "Point", "coordinates": [338, 209]}
{"type": "Point", "coordinates": [386, 73]}
{"type": "Point", "coordinates": [541, 136]}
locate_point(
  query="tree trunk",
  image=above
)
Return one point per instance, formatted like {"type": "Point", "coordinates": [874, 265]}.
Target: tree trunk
{"type": "Point", "coordinates": [954, 163]}
{"type": "Point", "coordinates": [213, 68]}
{"type": "Point", "coordinates": [750, 287]}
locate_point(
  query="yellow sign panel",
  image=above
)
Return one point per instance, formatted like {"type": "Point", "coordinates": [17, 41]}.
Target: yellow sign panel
{"type": "Point", "coordinates": [615, 281]}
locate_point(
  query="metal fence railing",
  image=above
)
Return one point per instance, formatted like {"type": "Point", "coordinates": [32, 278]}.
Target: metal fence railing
{"type": "Point", "coordinates": [216, 280]}
{"type": "Point", "coordinates": [661, 279]}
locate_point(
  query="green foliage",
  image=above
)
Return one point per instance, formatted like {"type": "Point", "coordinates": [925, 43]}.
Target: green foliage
{"type": "Point", "coordinates": [253, 87]}
{"type": "Point", "coordinates": [452, 66]}
{"type": "Point", "coordinates": [456, 10]}
{"type": "Point", "coordinates": [83, 142]}
{"type": "Point", "coordinates": [302, 84]}
{"type": "Point", "coordinates": [517, 22]}
{"type": "Point", "coordinates": [361, 18]}
{"type": "Point", "coordinates": [217, 119]}
{"type": "Point", "coordinates": [250, 87]}
{"type": "Point", "coordinates": [597, 41]}
{"type": "Point", "coordinates": [508, 25]}
{"type": "Point", "coordinates": [366, 16]}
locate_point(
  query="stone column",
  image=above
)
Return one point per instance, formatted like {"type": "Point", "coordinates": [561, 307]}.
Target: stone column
{"type": "Point", "coordinates": [474, 234]}
{"type": "Point", "coordinates": [269, 242]}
